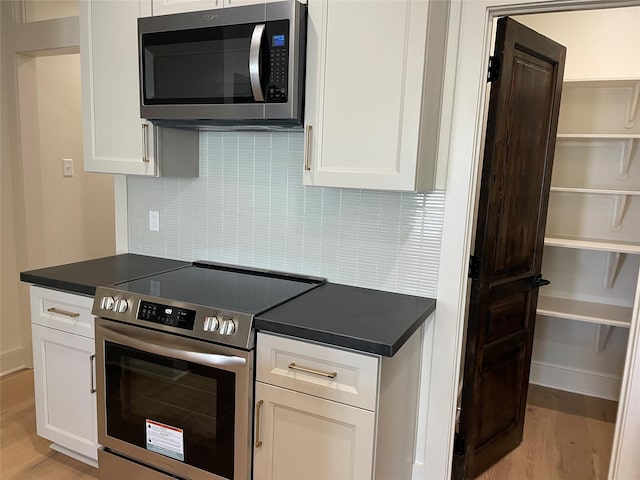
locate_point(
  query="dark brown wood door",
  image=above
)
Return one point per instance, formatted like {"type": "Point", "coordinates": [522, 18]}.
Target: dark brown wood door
{"type": "Point", "coordinates": [516, 175]}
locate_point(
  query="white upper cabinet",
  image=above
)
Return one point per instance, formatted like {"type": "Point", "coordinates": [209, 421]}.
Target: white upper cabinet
{"type": "Point", "coordinates": [374, 91]}
{"type": "Point", "coordinates": [164, 7]}
{"type": "Point", "coordinates": [116, 139]}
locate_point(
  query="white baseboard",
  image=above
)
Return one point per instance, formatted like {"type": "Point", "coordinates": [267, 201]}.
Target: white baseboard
{"type": "Point", "coordinates": [569, 379]}
{"type": "Point", "coordinates": [12, 360]}
{"type": "Point", "coordinates": [70, 453]}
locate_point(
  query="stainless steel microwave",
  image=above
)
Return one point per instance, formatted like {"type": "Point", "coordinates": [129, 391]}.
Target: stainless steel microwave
{"type": "Point", "coordinates": [230, 67]}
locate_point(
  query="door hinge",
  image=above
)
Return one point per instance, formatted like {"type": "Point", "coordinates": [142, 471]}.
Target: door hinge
{"type": "Point", "coordinates": [474, 267]}
{"type": "Point", "coordinates": [459, 446]}
{"type": "Point", "coordinates": [494, 69]}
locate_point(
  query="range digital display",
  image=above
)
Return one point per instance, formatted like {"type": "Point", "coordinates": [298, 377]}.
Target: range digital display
{"type": "Point", "coordinates": [166, 315]}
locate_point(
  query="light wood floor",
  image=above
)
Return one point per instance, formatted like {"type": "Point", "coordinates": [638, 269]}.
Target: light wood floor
{"type": "Point", "coordinates": [566, 437]}
{"type": "Point", "coordinates": [23, 455]}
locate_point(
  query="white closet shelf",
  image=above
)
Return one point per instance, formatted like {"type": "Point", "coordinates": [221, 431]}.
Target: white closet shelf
{"type": "Point", "coordinates": [581, 243]}
{"type": "Point", "coordinates": [602, 82]}
{"type": "Point", "coordinates": [600, 313]}
{"type": "Point", "coordinates": [600, 136]}
{"type": "Point", "coordinates": [603, 191]}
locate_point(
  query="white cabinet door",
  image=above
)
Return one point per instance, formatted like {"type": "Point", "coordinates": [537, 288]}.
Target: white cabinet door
{"type": "Point", "coordinates": [65, 389]}
{"type": "Point", "coordinates": [365, 116]}
{"type": "Point", "coordinates": [116, 139]}
{"type": "Point", "coordinates": [305, 437]}
{"type": "Point", "coordinates": [239, 3]}
{"type": "Point", "coordinates": [164, 7]}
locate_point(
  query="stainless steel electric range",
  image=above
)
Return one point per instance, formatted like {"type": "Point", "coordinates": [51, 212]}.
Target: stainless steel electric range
{"type": "Point", "coordinates": [174, 370]}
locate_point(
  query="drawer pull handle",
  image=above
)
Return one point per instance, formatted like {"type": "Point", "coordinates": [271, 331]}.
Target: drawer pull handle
{"type": "Point", "coordinates": [92, 359]}
{"type": "Point", "coordinates": [293, 366]}
{"type": "Point", "coordinates": [307, 148]}
{"type": "Point", "coordinates": [258, 441]}
{"type": "Point", "coordinates": [63, 312]}
{"type": "Point", "coordinates": [145, 143]}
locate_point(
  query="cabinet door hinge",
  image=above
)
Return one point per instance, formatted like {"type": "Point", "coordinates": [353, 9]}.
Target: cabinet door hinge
{"type": "Point", "coordinates": [474, 267]}
{"type": "Point", "coordinates": [459, 446]}
{"type": "Point", "coordinates": [494, 69]}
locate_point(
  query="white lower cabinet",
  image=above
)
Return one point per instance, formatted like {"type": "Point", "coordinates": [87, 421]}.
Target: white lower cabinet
{"type": "Point", "coordinates": [300, 432]}
{"type": "Point", "coordinates": [64, 372]}
{"type": "Point", "coordinates": [329, 413]}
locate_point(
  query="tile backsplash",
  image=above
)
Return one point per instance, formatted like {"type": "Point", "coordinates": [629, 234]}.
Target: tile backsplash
{"type": "Point", "coordinates": [249, 207]}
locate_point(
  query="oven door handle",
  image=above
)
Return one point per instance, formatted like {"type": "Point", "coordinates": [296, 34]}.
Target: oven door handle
{"type": "Point", "coordinates": [160, 347]}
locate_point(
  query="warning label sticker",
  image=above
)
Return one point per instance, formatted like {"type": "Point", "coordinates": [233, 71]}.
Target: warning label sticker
{"type": "Point", "coordinates": [165, 440]}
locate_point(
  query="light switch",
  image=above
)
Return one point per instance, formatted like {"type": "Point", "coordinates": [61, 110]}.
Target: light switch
{"type": "Point", "coordinates": [67, 167]}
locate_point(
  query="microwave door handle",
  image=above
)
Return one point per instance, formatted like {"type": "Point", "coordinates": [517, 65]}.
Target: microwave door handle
{"type": "Point", "coordinates": [226, 362]}
{"type": "Point", "coordinates": [254, 62]}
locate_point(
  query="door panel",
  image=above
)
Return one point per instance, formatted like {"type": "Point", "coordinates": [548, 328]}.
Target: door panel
{"type": "Point", "coordinates": [500, 378]}
{"type": "Point", "coordinates": [299, 436]}
{"type": "Point", "coordinates": [65, 390]}
{"type": "Point", "coordinates": [506, 316]}
{"type": "Point", "coordinates": [516, 174]}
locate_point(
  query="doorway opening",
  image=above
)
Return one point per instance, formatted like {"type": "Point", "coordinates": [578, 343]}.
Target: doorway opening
{"type": "Point", "coordinates": [592, 248]}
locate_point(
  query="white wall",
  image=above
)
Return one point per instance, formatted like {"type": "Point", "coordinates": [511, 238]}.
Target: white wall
{"type": "Point", "coordinates": [46, 219]}
{"type": "Point", "coordinates": [11, 351]}
{"type": "Point", "coordinates": [600, 43]}
{"type": "Point", "coordinates": [77, 216]}
{"type": "Point", "coordinates": [38, 10]}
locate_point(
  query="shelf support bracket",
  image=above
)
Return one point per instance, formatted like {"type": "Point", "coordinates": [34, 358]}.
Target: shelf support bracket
{"type": "Point", "coordinates": [632, 106]}
{"type": "Point", "coordinates": [619, 206]}
{"type": "Point", "coordinates": [625, 159]}
{"type": "Point", "coordinates": [603, 332]}
{"type": "Point", "coordinates": [612, 262]}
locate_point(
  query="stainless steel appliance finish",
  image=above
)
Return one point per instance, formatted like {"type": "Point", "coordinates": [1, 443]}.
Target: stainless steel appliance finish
{"type": "Point", "coordinates": [174, 369]}
{"type": "Point", "coordinates": [240, 67]}
{"type": "Point", "coordinates": [114, 466]}
{"type": "Point", "coordinates": [219, 358]}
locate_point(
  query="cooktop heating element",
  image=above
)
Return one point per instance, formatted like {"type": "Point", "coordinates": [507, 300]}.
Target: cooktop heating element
{"type": "Point", "coordinates": [209, 301]}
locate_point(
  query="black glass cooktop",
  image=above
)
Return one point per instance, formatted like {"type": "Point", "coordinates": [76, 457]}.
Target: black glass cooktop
{"type": "Point", "coordinates": [225, 287]}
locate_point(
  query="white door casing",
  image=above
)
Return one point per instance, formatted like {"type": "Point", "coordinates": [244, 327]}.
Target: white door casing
{"type": "Point", "coordinates": [475, 27]}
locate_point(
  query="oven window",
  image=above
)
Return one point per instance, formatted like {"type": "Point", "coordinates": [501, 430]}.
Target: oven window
{"type": "Point", "coordinates": [183, 409]}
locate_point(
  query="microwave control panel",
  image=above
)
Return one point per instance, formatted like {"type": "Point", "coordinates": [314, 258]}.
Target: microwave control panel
{"type": "Point", "coordinates": [278, 59]}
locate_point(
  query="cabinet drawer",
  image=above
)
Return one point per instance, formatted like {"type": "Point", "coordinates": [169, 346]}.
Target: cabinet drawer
{"type": "Point", "coordinates": [310, 368]}
{"type": "Point", "coordinates": [63, 311]}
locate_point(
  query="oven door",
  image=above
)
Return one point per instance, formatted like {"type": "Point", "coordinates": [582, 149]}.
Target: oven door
{"type": "Point", "coordinates": [177, 404]}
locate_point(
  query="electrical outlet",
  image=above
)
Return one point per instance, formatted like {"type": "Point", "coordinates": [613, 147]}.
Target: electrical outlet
{"type": "Point", "coordinates": [67, 167]}
{"type": "Point", "coordinates": [154, 221]}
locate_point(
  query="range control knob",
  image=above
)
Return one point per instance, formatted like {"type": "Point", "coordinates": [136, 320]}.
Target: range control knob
{"type": "Point", "coordinates": [121, 306]}
{"type": "Point", "coordinates": [107, 303]}
{"type": "Point", "coordinates": [228, 327]}
{"type": "Point", "coordinates": [211, 324]}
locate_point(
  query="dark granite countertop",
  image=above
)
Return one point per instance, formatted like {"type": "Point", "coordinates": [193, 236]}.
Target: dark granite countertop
{"type": "Point", "coordinates": [367, 320]}
{"type": "Point", "coordinates": [84, 277]}
{"type": "Point", "coordinates": [362, 319]}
